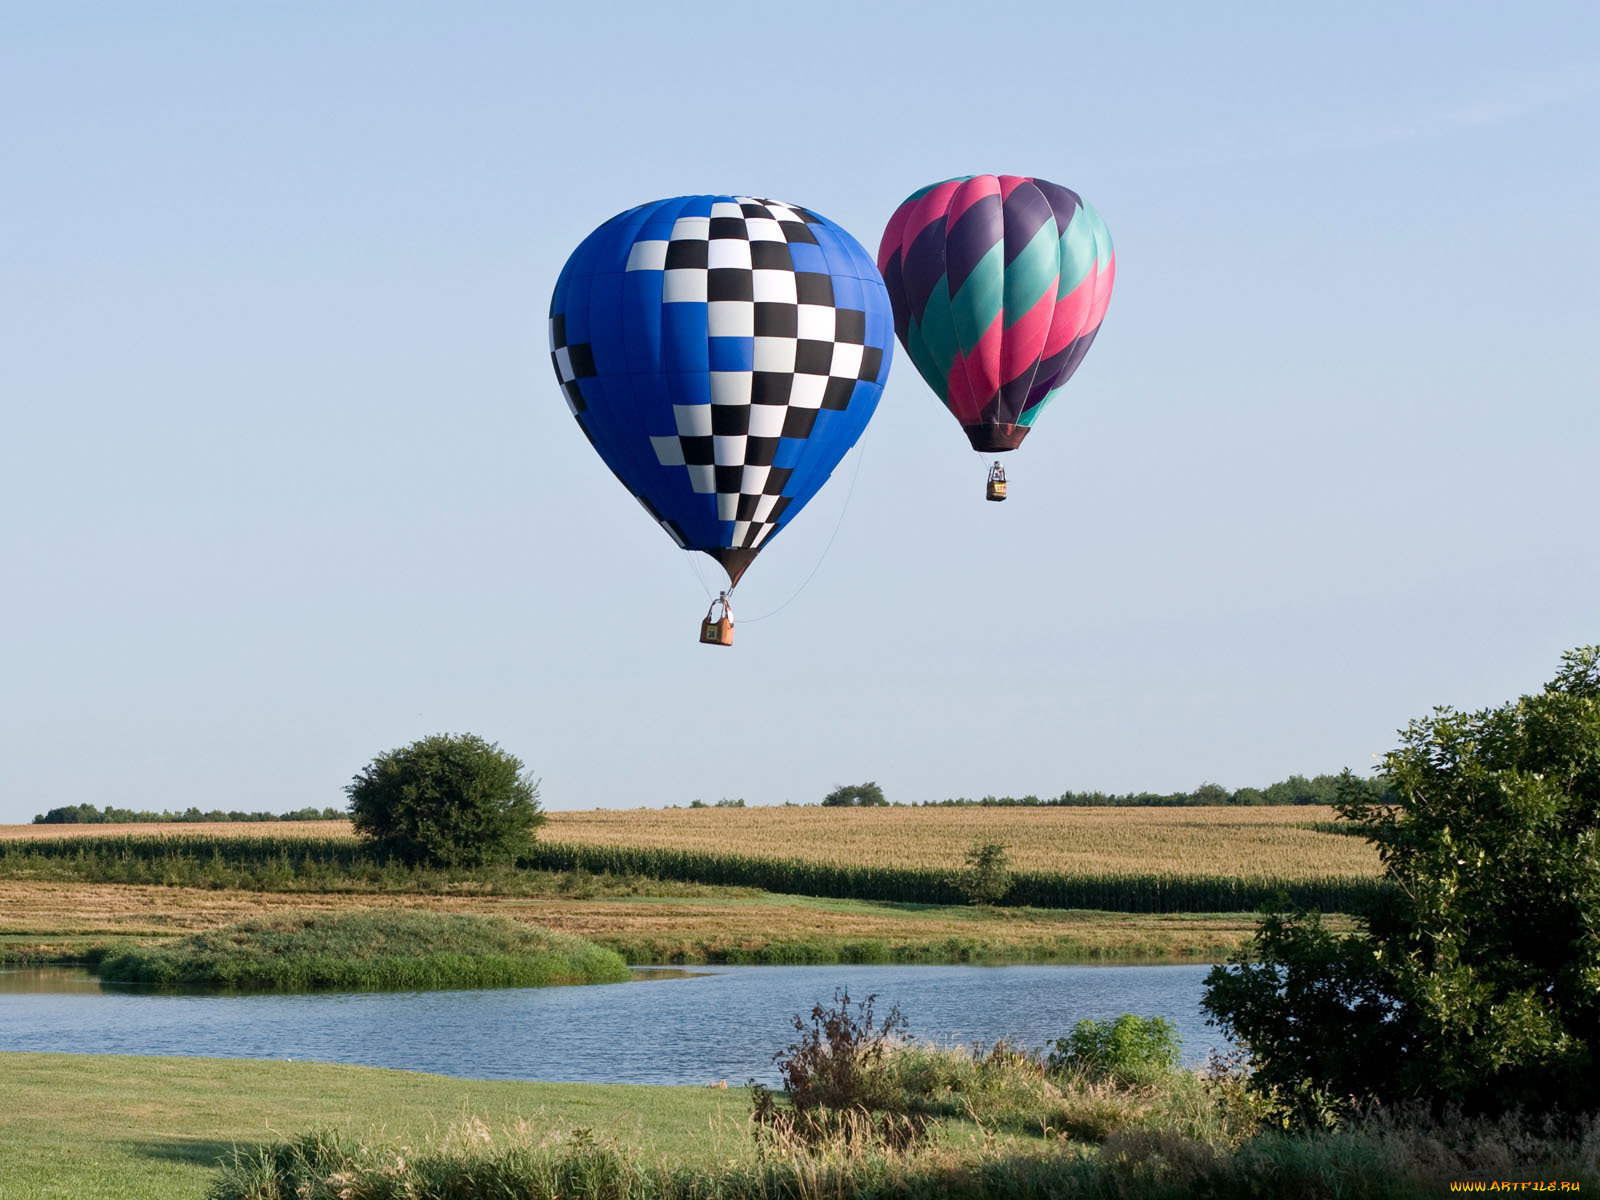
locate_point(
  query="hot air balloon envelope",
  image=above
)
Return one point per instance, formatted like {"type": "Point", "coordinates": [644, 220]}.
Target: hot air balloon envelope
{"type": "Point", "coordinates": [722, 354]}
{"type": "Point", "coordinates": [999, 285]}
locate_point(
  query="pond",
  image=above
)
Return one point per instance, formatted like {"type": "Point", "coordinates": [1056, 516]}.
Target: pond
{"type": "Point", "coordinates": [695, 1026]}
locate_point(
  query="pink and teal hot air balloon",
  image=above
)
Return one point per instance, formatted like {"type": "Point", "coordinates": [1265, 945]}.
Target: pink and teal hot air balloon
{"type": "Point", "coordinates": [999, 284]}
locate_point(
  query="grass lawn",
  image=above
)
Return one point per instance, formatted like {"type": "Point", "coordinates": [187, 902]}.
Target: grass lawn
{"type": "Point", "coordinates": [90, 1127]}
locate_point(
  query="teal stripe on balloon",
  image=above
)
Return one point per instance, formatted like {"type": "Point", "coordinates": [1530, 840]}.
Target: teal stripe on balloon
{"type": "Point", "coordinates": [938, 330]}
{"type": "Point", "coordinates": [981, 298]}
{"type": "Point", "coordinates": [1031, 415]}
{"type": "Point", "coordinates": [917, 348]}
{"type": "Point", "coordinates": [1102, 238]}
{"type": "Point", "coordinates": [933, 341]}
{"type": "Point", "coordinates": [1032, 273]}
{"type": "Point", "coordinates": [1080, 250]}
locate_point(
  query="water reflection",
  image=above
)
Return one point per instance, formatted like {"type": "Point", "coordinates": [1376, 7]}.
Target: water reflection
{"type": "Point", "coordinates": [50, 980]}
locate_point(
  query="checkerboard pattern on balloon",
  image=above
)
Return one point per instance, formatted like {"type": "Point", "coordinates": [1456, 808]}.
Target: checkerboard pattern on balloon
{"type": "Point", "coordinates": [771, 321]}
{"type": "Point", "coordinates": [572, 363]}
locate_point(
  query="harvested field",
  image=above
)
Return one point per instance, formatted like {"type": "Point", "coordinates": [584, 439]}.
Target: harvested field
{"type": "Point", "coordinates": [644, 929]}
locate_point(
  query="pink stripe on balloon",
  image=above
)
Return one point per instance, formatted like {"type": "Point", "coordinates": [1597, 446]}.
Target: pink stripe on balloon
{"type": "Point", "coordinates": [969, 193]}
{"type": "Point", "coordinates": [975, 378]}
{"type": "Point", "coordinates": [1080, 310]}
{"type": "Point", "coordinates": [1070, 315]}
{"type": "Point", "coordinates": [1024, 342]}
{"type": "Point", "coordinates": [891, 237]}
{"type": "Point", "coordinates": [1102, 293]}
{"type": "Point", "coordinates": [928, 209]}
{"type": "Point", "coordinates": [1010, 183]}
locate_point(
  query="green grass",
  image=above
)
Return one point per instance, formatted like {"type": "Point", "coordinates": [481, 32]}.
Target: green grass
{"type": "Point", "coordinates": [366, 948]}
{"type": "Point", "coordinates": [80, 1127]}
{"type": "Point", "coordinates": [88, 1127]}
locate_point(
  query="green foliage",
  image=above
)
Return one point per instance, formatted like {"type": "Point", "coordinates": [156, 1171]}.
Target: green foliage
{"type": "Point", "coordinates": [1476, 980]}
{"type": "Point", "coordinates": [447, 800]}
{"type": "Point", "coordinates": [388, 949]}
{"type": "Point", "coordinates": [858, 795]}
{"type": "Point", "coordinates": [88, 814]}
{"type": "Point", "coordinates": [1128, 1050]}
{"type": "Point", "coordinates": [987, 877]}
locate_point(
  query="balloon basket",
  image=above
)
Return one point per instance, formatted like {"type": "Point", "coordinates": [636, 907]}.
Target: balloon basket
{"type": "Point", "coordinates": [996, 489]}
{"type": "Point", "coordinates": [717, 628]}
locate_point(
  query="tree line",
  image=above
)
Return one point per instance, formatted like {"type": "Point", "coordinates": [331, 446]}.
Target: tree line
{"type": "Point", "coordinates": [1297, 789]}
{"type": "Point", "coordinates": [88, 814]}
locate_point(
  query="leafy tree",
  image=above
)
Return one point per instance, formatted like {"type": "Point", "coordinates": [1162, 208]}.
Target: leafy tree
{"type": "Point", "coordinates": [447, 800]}
{"type": "Point", "coordinates": [987, 877]}
{"type": "Point", "coordinates": [70, 814]}
{"type": "Point", "coordinates": [1477, 980]}
{"type": "Point", "coordinates": [1211, 793]}
{"type": "Point", "coordinates": [863, 795]}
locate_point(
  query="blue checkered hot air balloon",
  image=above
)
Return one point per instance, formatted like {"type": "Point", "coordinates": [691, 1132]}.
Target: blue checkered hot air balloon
{"type": "Point", "coordinates": [721, 353]}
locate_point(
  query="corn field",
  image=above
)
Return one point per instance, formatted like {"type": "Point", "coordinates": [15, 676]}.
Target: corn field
{"type": "Point", "coordinates": [1231, 841]}
{"type": "Point", "coordinates": [1118, 860]}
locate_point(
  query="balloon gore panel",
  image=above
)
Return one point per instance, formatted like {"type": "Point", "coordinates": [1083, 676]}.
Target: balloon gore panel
{"type": "Point", "coordinates": [721, 354]}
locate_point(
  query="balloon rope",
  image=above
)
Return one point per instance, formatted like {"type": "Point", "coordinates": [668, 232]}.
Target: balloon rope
{"type": "Point", "coordinates": [861, 452]}
{"type": "Point", "coordinates": [690, 562]}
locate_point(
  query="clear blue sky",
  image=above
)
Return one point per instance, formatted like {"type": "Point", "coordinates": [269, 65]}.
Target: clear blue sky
{"type": "Point", "coordinates": [286, 480]}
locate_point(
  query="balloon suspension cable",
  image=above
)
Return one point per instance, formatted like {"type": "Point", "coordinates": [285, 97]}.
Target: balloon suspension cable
{"type": "Point", "coordinates": [691, 561]}
{"type": "Point", "coordinates": [861, 452]}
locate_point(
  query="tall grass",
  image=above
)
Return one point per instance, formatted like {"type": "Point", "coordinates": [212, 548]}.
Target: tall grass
{"type": "Point", "coordinates": [389, 949]}
{"type": "Point", "coordinates": [346, 864]}
{"type": "Point", "coordinates": [1382, 1160]}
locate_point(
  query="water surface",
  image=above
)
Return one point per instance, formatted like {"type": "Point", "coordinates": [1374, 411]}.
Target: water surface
{"type": "Point", "coordinates": [674, 1027]}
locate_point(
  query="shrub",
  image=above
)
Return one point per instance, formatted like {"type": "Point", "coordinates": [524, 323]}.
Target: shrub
{"type": "Point", "coordinates": [987, 877]}
{"type": "Point", "coordinates": [447, 800]}
{"type": "Point", "coordinates": [837, 1081]}
{"type": "Point", "coordinates": [1128, 1050]}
